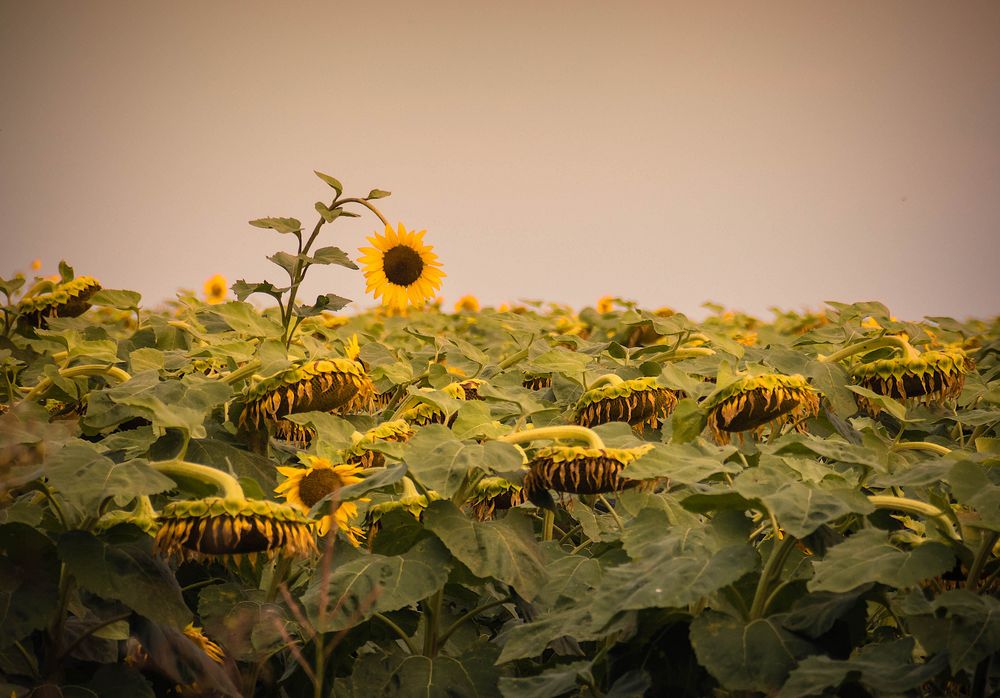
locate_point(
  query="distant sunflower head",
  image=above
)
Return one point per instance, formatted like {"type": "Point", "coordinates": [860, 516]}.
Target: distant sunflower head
{"type": "Point", "coordinates": [751, 402]}
{"type": "Point", "coordinates": [305, 487]}
{"type": "Point", "coordinates": [639, 402]}
{"type": "Point", "coordinates": [537, 381]}
{"type": "Point", "coordinates": [362, 455]}
{"type": "Point", "coordinates": [929, 378]}
{"type": "Point", "coordinates": [469, 304]}
{"type": "Point", "coordinates": [411, 502]}
{"type": "Point", "coordinates": [64, 299]}
{"type": "Point", "coordinates": [605, 304]}
{"type": "Point", "coordinates": [216, 289]}
{"type": "Point", "coordinates": [492, 493]}
{"type": "Point", "coordinates": [579, 470]}
{"type": "Point", "coordinates": [424, 413]}
{"type": "Point", "coordinates": [218, 527]}
{"type": "Point", "coordinates": [326, 385]}
{"type": "Point", "coordinates": [195, 634]}
{"type": "Point", "coordinates": [400, 269]}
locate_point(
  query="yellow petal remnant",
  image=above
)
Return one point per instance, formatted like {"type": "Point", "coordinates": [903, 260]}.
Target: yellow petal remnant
{"type": "Point", "coordinates": [216, 289]}
{"type": "Point", "coordinates": [400, 269]}
{"type": "Point", "coordinates": [467, 303]}
{"type": "Point", "coordinates": [36, 264]}
{"type": "Point", "coordinates": [305, 487]}
{"type": "Point", "coordinates": [605, 304]}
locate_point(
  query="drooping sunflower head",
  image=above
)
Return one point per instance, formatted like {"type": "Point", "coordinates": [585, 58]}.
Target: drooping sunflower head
{"type": "Point", "coordinates": [218, 527]}
{"type": "Point", "coordinates": [537, 381]}
{"type": "Point", "coordinates": [470, 386]}
{"type": "Point", "coordinates": [751, 402]}
{"type": "Point", "coordinates": [305, 487]}
{"type": "Point", "coordinates": [326, 385]}
{"type": "Point", "coordinates": [579, 470]}
{"type": "Point", "coordinates": [639, 402]}
{"type": "Point", "coordinates": [492, 493]}
{"type": "Point", "coordinates": [469, 304]}
{"type": "Point", "coordinates": [411, 502]}
{"type": "Point", "coordinates": [66, 299]}
{"type": "Point", "coordinates": [400, 269]}
{"type": "Point", "coordinates": [216, 289]}
{"type": "Point", "coordinates": [361, 455]}
{"type": "Point", "coordinates": [424, 413]}
{"type": "Point", "coordinates": [930, 378]}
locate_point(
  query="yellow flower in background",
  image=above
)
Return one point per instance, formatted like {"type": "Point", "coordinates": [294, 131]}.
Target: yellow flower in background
{"type": "Point", "coordinates": [216, 289]}
{"type": "Point", "coordinates": [503, 308]}
{"type": "Point", "coordinates": [605, 304]}
{"type": "Point", "coordinates": [400, 269]}
{"type": "Point", "coordinates": [467, 303]}
{"type": "Point", "coordinates": [36, 264]}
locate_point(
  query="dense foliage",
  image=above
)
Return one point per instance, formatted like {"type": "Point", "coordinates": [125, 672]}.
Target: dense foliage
{"type": "Point", "coordinates": [734, 530]}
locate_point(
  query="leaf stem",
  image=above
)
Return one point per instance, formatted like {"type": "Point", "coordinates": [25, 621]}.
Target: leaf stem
{"type": "Point", "coordinates": [398, 630]}
{"type": "Point", "coordinates": [982, 555]}
{"type": "Point", "coordinates": [72, 372]}
{"type": "Point", "coordinates": [771, 572]}
{"type": "Point", "coordinates": [467, 616]}
{"type": "Point", "coordinates": [369, 207]}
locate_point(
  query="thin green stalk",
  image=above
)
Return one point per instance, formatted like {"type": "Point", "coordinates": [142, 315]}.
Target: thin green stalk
{"type": "Point", "coordinates": [982, 555]}
{"type": "Point", "coordinates": [367, 205]}
{"type": "Point", "coordinates": [242, 372]}
{"type": "Point", "coordinates": [771, 572]}
{"type": "Point", "coordinates": [920, 446]}
{"type": "Point", "coordinates": [913, 506]}
{"type": "Point", "coordinates": [467, 616]}
{"type": "Point", "coordinates": [227, 485]}
{"type": "Point", "coordinates": [72, 372]}
{"type": "Point", "coordinates": [319, 668]}
{"type": "Point", "coordinates": [513, 358]}
{"type": "Point", "coordinates": [398, 630]}
{"type": "Point", "coordinates": [611, 510]}
{"type": "Point", "coordinates": [548, 521]}
{"type": "Point", "coordinates": [868, 345]}
{"type": "Point", "coordinates": [568, 431]}
{"type": "Point", "coordinates": [90, 631]}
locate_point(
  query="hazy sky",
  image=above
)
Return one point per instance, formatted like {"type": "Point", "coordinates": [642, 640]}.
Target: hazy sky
{"type": "Point", "coordinates": [754, 154]}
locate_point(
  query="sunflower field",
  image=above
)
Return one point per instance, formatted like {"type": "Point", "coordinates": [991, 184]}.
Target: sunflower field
{"type": "Point", "coordinates": [218, 497]}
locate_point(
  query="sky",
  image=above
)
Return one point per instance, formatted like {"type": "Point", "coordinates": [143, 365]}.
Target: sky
{"type": "Point", "coordinates": [751, 154]}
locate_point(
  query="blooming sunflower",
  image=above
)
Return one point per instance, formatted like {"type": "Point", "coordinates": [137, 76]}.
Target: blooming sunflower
{"type": "Point", "coordinates": [639, 402]}
{"type": "Point", "coordinates": [216, 289]}
{"type": "Point", "coordinates": [467, 303]}
{"type": "Point", "coordinates": [219, 527]}
{"type": "Point", "coordinates": [305, 487]}
{"type": "Point", "coordinates": [750, 402]}
{"type": "Point", "coordinates": [578, 470]}
{"type": "Point", "coordinates": [400, 268]}
{"type": "Point", "coordinates": [605, 304]}
{"type": "Point", "coordinates": [929, 378]}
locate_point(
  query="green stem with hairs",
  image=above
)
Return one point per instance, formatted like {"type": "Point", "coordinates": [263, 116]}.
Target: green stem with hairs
{"type": "Point", "coordinates": [921, 446]}
{"type": "Point", "coordinates": [244, 371]}
{"type": "Point", "coordinates": [606, 379]}
{"type": "Point", "coordinates": [771, 572]}
{"type": "Point", "coordinates": [74, 371]}
{"type": "Point", "coordinates": [913, 506]}
{"type": "Point", "coordinates": [863, 347]}
{"type": "Point", "coordinates": [398, 630]}
{"type": "Point", "coordinates": [982, 555]}
{"type": "Point", "coordinates": [514, 358]}
{"type": "Point", "coordinates": [367, 205]}
{"type": "Point", "coordinates": [227, 485]}
{"type": "Point", "coordinates": [568, 431]}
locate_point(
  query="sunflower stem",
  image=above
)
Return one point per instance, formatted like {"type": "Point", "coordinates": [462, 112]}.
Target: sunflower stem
{"type": "Point", "coordinates": [398, 630]}
{"type": "Point", "coordinates": [242, 372]}
{"type": "Point", "coordinates": [73, 371]}
{"type": "Point", "coordinates": [979, 562]}
{"type": "Point", "coordinates": [772, 572]}
{"type": "Point", "coordinates": [913, 506]}
{"type": "Point", "coordinates": [548, 523]}
{"type": "Point", "coordinates": [865, 346]}
{"type": "Point", "coordinates": [921, 446]}
{"type": "Point", "coordinates": [606, 379]}
{"type": "Point", "coordinates": [368, 206]}
{"type": "Point", "coordinates": [226, 483]}
{"type": "Point", "coordinates": [568, 431]}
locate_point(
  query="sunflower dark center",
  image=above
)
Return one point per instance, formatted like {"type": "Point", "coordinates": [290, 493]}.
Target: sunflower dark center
{"type": "Point", "coordinates": [317, 485]}
{"type": "Point", "coordinates": [402, 265]}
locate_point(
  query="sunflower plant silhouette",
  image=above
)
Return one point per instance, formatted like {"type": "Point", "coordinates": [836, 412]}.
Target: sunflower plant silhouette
{"type": "Point", "coordinates": [296, 265]}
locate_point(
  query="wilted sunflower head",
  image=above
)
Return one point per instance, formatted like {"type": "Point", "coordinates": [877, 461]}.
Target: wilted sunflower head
{"type": "Point", "coordinates": [424, 413]}
{"type": "Point", "coordinates": [218, 527]}
{"type": "Point", "coordinates": [400, 269]}
{"type": "Point", "coordinates": [579, 470]}
{"type": "Point", "coordinates": [359, 454]}
{"type": "Point", "coordinates": [324, 386]}
{"type": "Point", "coordinates": [215, 289]}
{"type": "Point", "coordinates": [537, 381]}
{"type": "Point", "coordinates": [469, 304]}
{"type": "Point", "coordinates": [305, 487]}
{"type": "Point", "coordinates": [67, 299]}
{"type": "Point", "coordinates": [639, 402]}
{"type": "Point", "coordinates": [750, 402]}
{"type": "Point", "coordinates": [411, 502]}
{"type": "Point", "coordinates": [929, 378]}
{"type": "Point", "coordinates": [492, 493]}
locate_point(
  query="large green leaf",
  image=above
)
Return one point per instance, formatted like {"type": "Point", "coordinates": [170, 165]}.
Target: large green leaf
{"type": "Point", "coordinates": [754, 656]}
{"type": "Point", "coordinates": [556, 681]}
{"type": "Point", "coordinates": [374, 583]}
{"type": "Point", "coordinates": [29, 578]}
{"type": "Point", "coordinates": [404, 676]}
{"type": "Point", "coordinates": [504, 549]}
{"type": "Point", "coordinates": [868, 556]}
{"type": "Point", "coordinates": [684, 463]}
{"type": "Point", "coordinates": [974, 489]}
{"type": "Point", "coordinates": [441, 462]}
{"type": "Point", "coordinates": [125, 571]}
